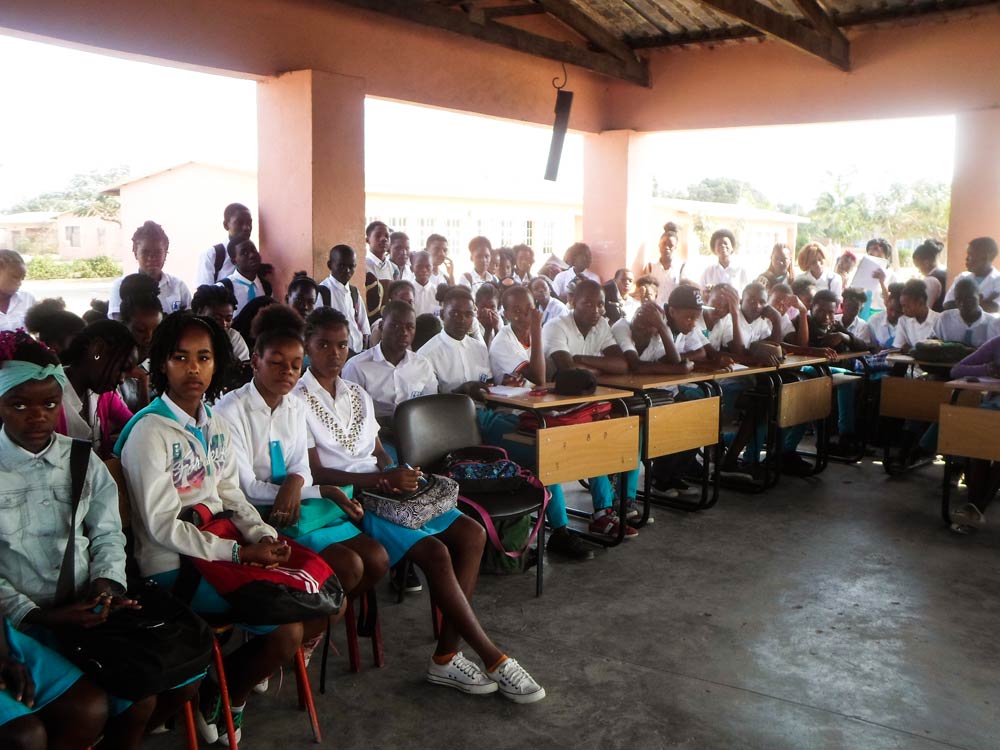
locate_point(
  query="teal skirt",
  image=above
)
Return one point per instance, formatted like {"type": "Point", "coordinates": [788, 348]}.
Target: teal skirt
{"type": "Point", "coordinates": [397, 539]}
{"type": "Point", "coordinates": [52, 674]}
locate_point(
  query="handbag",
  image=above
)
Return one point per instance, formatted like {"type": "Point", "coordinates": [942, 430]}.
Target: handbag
{"type": "Point", "coordinates": [437, 496]}
{"type": "Point", "coordinates": [304, 587]}
{"type": "Point", "coordinates": [135, 653]}
{"type": "Point", "coordinates": [315, 513]}
{"type": "Point", "coordinates": [483, 468]}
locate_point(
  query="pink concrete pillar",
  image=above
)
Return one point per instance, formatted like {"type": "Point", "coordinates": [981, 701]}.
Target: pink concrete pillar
{"type": "Point", "coordinates": [311, 170]}
{"type": "Point", "coordinates": [975, 186]}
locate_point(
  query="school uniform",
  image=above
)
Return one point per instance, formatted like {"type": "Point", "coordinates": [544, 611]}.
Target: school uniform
{"type": "Point", "coordinates": [827, 280]}
{"type": "Point", "coordinates": [357, 315]}
{"type": "Point", "coordinates": [734, 275]}
{"type": "Point", "coordinates": [555, 309]}
{"type": "Point", "coordinates": [402, 274]}
{"type": "Point", "coordinates": [245, 290]}
{"type": "Point", "coordinates": [668, 280]}
{"type": "Point", "coordinates": [508, 356]}
{"type": "Point", "coordinates": [343, 430]}
{"type": "Point", "coordinates": [271, 445]}
{"type": "Point", "coordinates": [654, 351]}
{"type": "Point", "coordinates": [858, 328]}
{"type": "Point", "coordinates": [722, 334]}
{"type": "Point", "coordinates": [35, 502]}
{"type": "Point", "coordinates": [560, 283]}
{"type": "Point", "coordinates": [425, 299]}
{"type": "Point", "coordinates": [630, 306]}
{"type": "Point", "coordinates": [787, 325]}
{"type": "Point", "coordinates": [205, 274]}
{"type": "Point", "coordinates": [17, 308]}
{"type": "Point", "coordinates": [988, 285]}
{"type": "Point", "coordinates": [174, 295]}
{"type": "Point", "coordinates": [472, 280]}
{"type": "Point", "coordinates": [881, 331]}
{"type": "Point", "coordinates": [951, 327]}
{"type": "Point", "coordinates": [241, 352]}
{"type": "Point", "coordinates": [562, 335]}
{"type": "Point", "coordinates": [522, 280]}
{"type": "Point", "coordinates": [381, 269]}
{"type": "Point", "coordinates": [389, 384]}
{"type": "Point", "coordinates": [910, 331]}
{"type": "Point", "coordinates": [106, 414]}
{"type": "Point", "coordinates": [437, 279]}
{"type": "Point", "coordinates": [457, 361]}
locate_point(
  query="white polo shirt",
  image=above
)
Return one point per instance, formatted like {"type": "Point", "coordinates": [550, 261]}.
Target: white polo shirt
{"type": "Point", "coordinates": [668, 279]}
{"type": "Point", "coordinates": [457, 361]}
{"type": "Point", "coordinates": [910, 331]}
{"type": "Point", "coordinates": [389, 384]}
{"type": "Point", "coordinates": [382, 269]}
{"type": "Point", "coordinates": [881, 331]}
{"type": "Point", "coordinates": [562, 279]}
{"type": "Point", "coordinates": [17, 308]}
{"type": "Point", "coordinates": [858, 328]}
{"type": "Point", "coordinates": [988, 286]}
{"type": "Point", "coordinates": [562, 335]}
{"type": "Point", "coordinates": [357, 317]}
{"type": "Point", "coordinates": [722, 335]}
{"type": "Point", "coordinates": [343, 430]}
{"type": "Point", "coordinates": [734, 275]}
{"type": "Point", "coordinates": [425, 298]}
{"type": "Point", "coordinates": [255, 430]}
{"type": "Point", "coordinates": [508, 356]}
{"type": "Point", "coordinates": [951, 327]}
{"type": "Point", "coordinates": [174, 295]}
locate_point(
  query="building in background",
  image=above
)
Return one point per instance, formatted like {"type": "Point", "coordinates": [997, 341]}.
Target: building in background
{"type": "Point", "coordinates": [66, 234]}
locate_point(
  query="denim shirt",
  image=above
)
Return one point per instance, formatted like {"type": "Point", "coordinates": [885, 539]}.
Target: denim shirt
{"type": "Point", "coordinates": [35, 508]}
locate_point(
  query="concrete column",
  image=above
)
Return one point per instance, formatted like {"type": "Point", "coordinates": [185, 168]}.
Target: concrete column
{"type": "Point", "coordinates": [975, 186]}
{"type": "Point", "coordinates": [311, 170]}
{"type": "Point", "coordinates": [617, 201]}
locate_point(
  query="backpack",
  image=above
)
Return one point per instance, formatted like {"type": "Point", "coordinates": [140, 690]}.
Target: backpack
{"type": "Point", "coordinates": [324, 293]}
{"type": "Point", "coordinates": [220, 260]}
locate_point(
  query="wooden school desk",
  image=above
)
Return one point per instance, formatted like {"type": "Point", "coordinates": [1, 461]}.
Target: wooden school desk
{"type": "Point", "coordinates": [967, 431]}
{"type": "Point", "coordinates": [863, 415]}
{"type": "Point", "coordinates": [799, 402]}
{"type": "Point", "coordinates": [573, 452]}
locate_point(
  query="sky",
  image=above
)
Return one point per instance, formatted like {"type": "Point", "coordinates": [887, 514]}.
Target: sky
{"type": "Point", "coordinates": [71, 111]}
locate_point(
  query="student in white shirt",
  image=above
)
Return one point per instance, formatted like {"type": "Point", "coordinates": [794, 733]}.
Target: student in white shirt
{"type": "Point", "coordinates": [424, 290]}
{"type": "Point", "coordinates": [398, 290]}
{"type": "Point", "coordinates": [14, 303]}
{"type": "Point", "coordinates": [488, 320]}
{"type": "Point", "coordinates": [883, 325]}
{"type": "Point", "coordinates": [666, 274]}
{"type": "Point", "coordinates": [443, 271]}
{"type": "Point", "coordinates": [812, 259]}
{"type": "Point", "coordinates": [850, 318]}
{"type": "Point", "coordinates": [725, 270]}
{"type": "Point", "coordinates": [579, 258]}
{"type": "Point", "coordinates": [215, 263]}
{"type": "Point", "coordinates": [480, 251]}
{"type": "Point", "coordinates": [917, 321]}
{"type": "Point", "coordinates": [619, 296]}
{"type": "Point", "coordinates": [377, 261]}
{"type": "Point", "coordinates": [399, 255]}
{"type": "Point", "coordinates": [968, 323]}
{"type": "Point", "coordinates": [344, 296]}
{"type": "Point", "coordinates": [779, 270]}
{"type": "Point", "coordinates": [979, 258]}
{"type": "Point", "coordinates": [219, 304]}
{"type": "Point", "coordinates": [461, 362]}
{"type": "Point", "coordinates": [245, 282]}
{"type": "Point", "coordinates": [303, 294]}
{"type": "Point", "coordinates": [880, 248]}
{"type": "Point", "coordinates": [390, 372]}
{"type": "Point", "coordinates": [268, 428]}
{"type": "Point", "coordinates": [583, 340]}
{"type": "Point", "coordinates": [789, 307]}
{"type": "Point", "coordinates": [524, 259]}
{"type": "Point", "coordinates": [150, 245]}
{"type": "Point", "coordinates": [548, 304]}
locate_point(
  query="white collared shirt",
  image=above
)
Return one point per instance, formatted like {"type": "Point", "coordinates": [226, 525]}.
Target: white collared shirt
{"type": "Point", "coordinates": [255, 429]}
{"type": "Point", "coordinates": [341, 299]}
{"type": "Point", "coordinates": [722, 335]}
{"type": "Point", "coordinates": [17, 308]}
{"type": "Point", "coordinates": [630, 306]}
{"type": "Point", "coordinates": [951, 327]}
{"type": "Point", "coordinates": [654, 351]}
{"type": "Point", "coordinates": [987, 287]}
{"type": "Point", "coordinates": [522, 280]}
{"type": "Point", "coordinates": [343, 430]}
{"type": "Point", "coordinates": [858, 328]}
{"type": "Point", "coordinates": [562, 279]}
{"type": "Point", "coordinates": [241, 352]}
{"type": "Point", "coordinates": [78, 426]}
{"type": "Point", "coordinates": [555, 309]}
{"type": "Point", "coordinates": [390, 385]}
{"type": "Point", "coordinates": [508, 356]}
{"type": "Point", "coordinates": [472, 280]}
{"type": "Point", "coordinates": [668, 279]}
{"type": "Point", "coordinates": [174, 295]}
{"type": "Point", "coordinates": [382, 269]}
{"type": "Point", "coordinates": [437, 279]}
{"type": "Point", "coordinates": [457, 361]}
{"type": "Point", "coordinates": [206, 266]}
{"type": "Point", "coordinates": [562, 335]}
{"type": "Point", "coordinates": [911, 331]}
{"type": "Point", "coordinates": [828, 280]}
{"type": "Point", "coordinates": [425, 298]}
{"type": "Point", "coordinates": [241, 289]}
{"type": "Point", "coordinates": [734, 275]}
{"type": "Point", "coordinates": [881, 332]}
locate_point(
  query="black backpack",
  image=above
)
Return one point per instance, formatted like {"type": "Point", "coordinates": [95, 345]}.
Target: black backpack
{"type": "Point", "coordinates": [220, 260]}
{"type": "Point", "coordinates": [324, 293]}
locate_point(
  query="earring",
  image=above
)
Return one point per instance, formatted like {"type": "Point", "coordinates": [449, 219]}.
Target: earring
{"type": "Point", "coordinates": [97, 356]}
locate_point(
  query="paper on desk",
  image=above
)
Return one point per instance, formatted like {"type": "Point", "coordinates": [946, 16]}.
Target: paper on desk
{"type": "Point", "coordinates": [736, 367]}
{"type": "Point", "coordinates": [863, 278]}
{"type": "Point", "coordinates": [509, 391]}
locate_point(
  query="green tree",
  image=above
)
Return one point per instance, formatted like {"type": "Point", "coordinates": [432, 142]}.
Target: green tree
{"type": "Point", "coordinates": [724, 190]}
{"type": "Point", "coordinates": [82, 196]}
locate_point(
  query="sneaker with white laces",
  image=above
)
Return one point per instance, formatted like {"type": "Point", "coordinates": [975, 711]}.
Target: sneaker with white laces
{"type": "Point", "coordinates": [607, 524]}
{"type": "Point", "coordinates": [461, 674]}
{"type": "Point", "coordinates": [515, 683]}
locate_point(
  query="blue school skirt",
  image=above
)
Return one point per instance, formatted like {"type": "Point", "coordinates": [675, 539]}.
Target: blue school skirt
{"type": "Point", "coordinates": [208, 601]}
{"type": "Point", "coordinates": [52, 674]}
{"type": "Point", "coordinates": [316, 541]}
{"type": "Point", "coordinates": [397, 539]}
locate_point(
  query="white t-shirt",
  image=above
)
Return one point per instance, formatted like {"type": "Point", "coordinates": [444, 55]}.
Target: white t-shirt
{"type": "Point", "coordinates": [734, 275]}
{"type": "Point", "coordinates": [343, 430]}
{"type": "Point", "coordinates": [357, 316]}
{"type": "Point", "coordinates": [858, 328]}
{"type": "Point", "coordinates": [457, 361]}
{"type": "Point", "coordinates": [390, 384]}
{"type": "Point", "coordinates": [245, 290]}
{"type": "Point", "coordinates": [910, 331]}
{"type": "Point", "coordinates": [508, 356]}
{"type": "Point", "coordinates": [18, 307]}
{"type": "Point", "coordinates": [174, 295]}
{"type": "Point", "coordinates": [881, 331]}
{"type": "Point", "coordinates": [205, 275]}
{"type": "Point", "coordinates": [988, 286]}
{"type": "Point", "coordinates": [562, 279]}
{"type": "Point", "coordinates": [951, 327]}
{"type": "Point", "coordinates": [668, 279]}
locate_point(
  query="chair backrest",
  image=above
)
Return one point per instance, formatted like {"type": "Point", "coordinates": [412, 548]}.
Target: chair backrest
{"type": "Point", "coordinates": [429, 427]}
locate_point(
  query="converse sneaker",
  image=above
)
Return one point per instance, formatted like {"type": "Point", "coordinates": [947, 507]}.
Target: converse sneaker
{"type": "Point", "coordinates": [461, 674]}
{"type": "Point", "coordinates": [261, 687]}
{"type": "Point", "coordinates": [208, 717]}
{"type": "Point", "coordinates": [607, 524]}
{"type": "Point", "coordinates": [237, 726]}
{"type": "Point", "coordinates": [515, 683]}
{"type": "Point", "coordinates": [634, 514]}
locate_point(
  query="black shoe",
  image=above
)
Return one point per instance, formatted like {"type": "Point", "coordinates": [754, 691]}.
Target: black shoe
{"type": "Point", "coordinates": [569, 545]}
{"type": "Point", "coordinates": [412, 583]}
{"type": "Point", "coordinates": [794, 464]}
{"type": "Point", "coordinates": [845, 447]}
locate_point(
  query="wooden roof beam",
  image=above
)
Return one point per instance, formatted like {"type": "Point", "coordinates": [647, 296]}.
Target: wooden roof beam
{"type": "Point", "coordinates": [588, 28]}
{"type": "Point", "coordinates": [459, 22]}
{"type": "Point", "coordinates": [510, 11]}
{"type": "Point", "coordinates": [835, 49]}
{"type": "Point", "coordinates": [821, 20]}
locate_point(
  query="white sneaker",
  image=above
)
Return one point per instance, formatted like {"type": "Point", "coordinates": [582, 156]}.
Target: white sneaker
{"type": "Point", "coordinates": [515, 683]}
{"type": "Point", "coordinates": [237, 725]}
{"type": "Point", "coordinates": [261, 687]}
{"type": "Point", "coordinates": [461, 674]}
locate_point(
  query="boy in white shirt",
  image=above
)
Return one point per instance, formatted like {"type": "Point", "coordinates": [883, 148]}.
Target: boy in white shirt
{"type": "Point", "coordinates": [725, 270]}
{"type": "Point", "coordinates": [461, 362]}
{"type": "Point", "coordinates": [245, 283]}
{"type": "Point", "coordinates": [377, 261]}
{"type": "Point", "coordinates": [968, 323]}
{"type": "Point", "coordinates": [399, 255]}
{"type": "Point", "coordinates": [548, 304]}
{"type": "Point", "coordinates": [979, 259]}
{"type": "Point", "coordinates": [341, 295]}
{"type": "Point", "coordinates": [882, 326]}
{"type": "Point", "coordinates": [666, 275]}
{"type": "Point", "coordinates": [918, 320]}
{"type": "Point", "coordinates": [443, 272]}
{"type": "Point", "coordinates": [150, 245]}
{"type": "Point", "coordinates": [481, 251]}
{"type": "Point", "coordinates": [218, 303]}
{"type": "Point", "coordinates": [14, 303]}
{"type": "Point", "coordinates": [850, 318]}
{"type": "Point", "coordinates": [215, 263]}
{"type": "Point", "coordinates": [424, 289]}
{"type": "Point", "coordinates": [579, 258]}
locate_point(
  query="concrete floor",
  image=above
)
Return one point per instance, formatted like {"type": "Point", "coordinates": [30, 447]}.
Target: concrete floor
{"type": "Point", "coordinates": [834, 612]}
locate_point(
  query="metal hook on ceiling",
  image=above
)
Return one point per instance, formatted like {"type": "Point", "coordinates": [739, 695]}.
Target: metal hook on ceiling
{"type": "Point", "coordinates": [565, 79]}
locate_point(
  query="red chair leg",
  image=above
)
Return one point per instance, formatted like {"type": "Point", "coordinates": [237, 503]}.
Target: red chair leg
{"type": "Point", "coordinates": [227, 706]}
{"type": "Point", "coordinates": [305, 694]}
{"type": "Point", "coordinates": [351, 628]}
{"type": "Point", "coordinates": [378, 654]}
{"type": "Point", "coordinates": [190, 733]}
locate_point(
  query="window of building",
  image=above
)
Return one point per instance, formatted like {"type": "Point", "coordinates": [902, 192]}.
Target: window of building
{"type": "Point", "coordinates": [73, 236]}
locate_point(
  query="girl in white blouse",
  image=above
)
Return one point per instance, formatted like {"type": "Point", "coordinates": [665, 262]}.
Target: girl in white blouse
{"type": "Point", "coordinates": [345, 449]}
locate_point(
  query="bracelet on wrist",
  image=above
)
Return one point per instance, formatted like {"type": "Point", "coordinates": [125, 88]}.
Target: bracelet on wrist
{"type": "Point", "coordinates": [390, 467]}
{"type": "Point", "coordinates": [236, 553]}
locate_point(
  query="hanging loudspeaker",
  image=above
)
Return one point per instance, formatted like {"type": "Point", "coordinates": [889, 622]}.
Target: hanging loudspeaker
{"type": "Point", "coordinates": [564, 101]}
